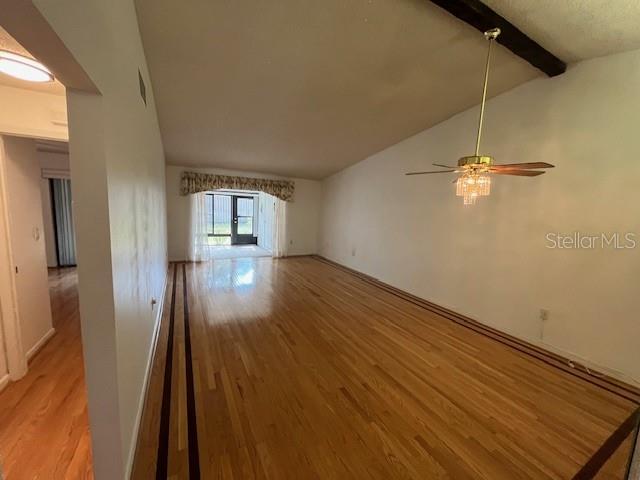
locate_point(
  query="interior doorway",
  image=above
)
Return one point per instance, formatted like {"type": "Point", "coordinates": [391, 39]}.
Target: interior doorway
{"type": "Point", "coordinates": [42, 382]}
{"type": "Point", "coordinates": [62, 215]}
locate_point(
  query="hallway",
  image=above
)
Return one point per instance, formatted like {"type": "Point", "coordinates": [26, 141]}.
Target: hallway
{"type": "Point", "coordinates": [294, 368]}
{"type": "Point", "coordinates": [44, 430]}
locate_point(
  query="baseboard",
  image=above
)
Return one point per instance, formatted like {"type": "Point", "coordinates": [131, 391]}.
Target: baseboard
{"type": "Point", "coordinates": [585, 363]}
{"type": "Point", "coordinates": [542, 352]}
{"type": "Point", "coordinates": [147, 377]}
{"type": "Point", "coordinates": [4, 381]}
{"type": "Point", "coordinates": [41, 343]}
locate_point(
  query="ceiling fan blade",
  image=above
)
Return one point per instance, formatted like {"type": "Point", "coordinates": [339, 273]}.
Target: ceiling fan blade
{"type": "Point", "coordinates": [425, 173]}
{"type": "Point", "coordinates": [520, 173]}
{"type": "Point", "coordinates": [444, 166]}
{"type": "Point", "coordinates": [523, 166]}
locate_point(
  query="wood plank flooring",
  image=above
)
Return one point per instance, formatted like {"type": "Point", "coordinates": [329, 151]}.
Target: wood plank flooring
{"type": "Point", "coordinates": [305, 371]}
{"type": "Point", "coordinates": [44, 426]}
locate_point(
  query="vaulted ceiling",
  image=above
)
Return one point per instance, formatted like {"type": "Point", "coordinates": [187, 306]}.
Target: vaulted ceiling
{"type": "Point", "coordinates": [305, 88]}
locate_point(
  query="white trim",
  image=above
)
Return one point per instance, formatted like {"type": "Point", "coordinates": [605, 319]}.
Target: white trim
{"type": "Point", "coordinates": [40, 343]}
{"type": "Point", "coordinates": [4, 381]}
{"type": "Point", "coordinates": [593, 367]}
{"type": "Point", "coordinates": [55, 173]}
{"type": "Point", "coordinates": [147, 378]}
{"type": "Point", "coordinates": [57, 133]}
{"type": "Point", "coordinates": [10, 315]}
{"type": "Point", "coordinates": [573, 359]}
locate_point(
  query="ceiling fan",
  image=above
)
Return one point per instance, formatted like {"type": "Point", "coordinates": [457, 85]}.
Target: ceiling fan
{"type": "Point", "coordinates": [474, 180]}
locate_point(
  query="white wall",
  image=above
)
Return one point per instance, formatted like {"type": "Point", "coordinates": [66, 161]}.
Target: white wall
{"type": "Point", "coordinates": [117, 174]}
{"type": "Point", "coordinates": [490, 261]}
{"type": "Point", "coordinates": [302, 213]}
{"type": "Point", "coordinates": [33, 114]}
{"type": "Point", "coordinates": [22, 170]}
{"type": "Point", "coordinates": [60, 163]}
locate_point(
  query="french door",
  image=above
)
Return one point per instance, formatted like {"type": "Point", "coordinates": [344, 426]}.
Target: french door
{"type": "Point", "coordinates": [231, 219]}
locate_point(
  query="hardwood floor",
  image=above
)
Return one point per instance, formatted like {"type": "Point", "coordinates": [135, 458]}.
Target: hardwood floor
{"type": "Point", "coordinates": [44, 427]}
{"type": "Point", "coordinates": [304, 371]}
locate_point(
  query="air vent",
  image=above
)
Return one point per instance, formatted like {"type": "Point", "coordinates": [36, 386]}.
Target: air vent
{"type": "Point", "coordinates": [143, 88]}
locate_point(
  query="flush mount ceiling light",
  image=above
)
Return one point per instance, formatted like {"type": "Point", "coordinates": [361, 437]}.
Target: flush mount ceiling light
{"type": "Point", "coordinates": [474, 180]}
{"type": "Point", "coordinates": [24, 68]}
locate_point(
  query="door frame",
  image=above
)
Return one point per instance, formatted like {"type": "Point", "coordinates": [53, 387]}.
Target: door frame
{"type": "Point", "coordinates": [234, 238]}
{"type": "Point", "coordinates": [242, 238]}
{"type": "Point", "coordinates": [10, 318]}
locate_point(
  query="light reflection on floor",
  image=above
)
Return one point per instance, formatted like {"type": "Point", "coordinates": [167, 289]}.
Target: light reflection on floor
{"type": "Point", "coordinates": [236, 251]}
{"type": "Point", "coordinates": [238, 289]}
{"type": "Point", "coordinates": [232, 273]}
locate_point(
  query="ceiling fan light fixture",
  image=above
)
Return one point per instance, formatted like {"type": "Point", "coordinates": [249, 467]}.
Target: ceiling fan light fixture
{"type": "Point", "coordinates": [476, 160]}
{"type": "Point", "coordinates": [475, 170]}
{"type": "Point", "coordinates": [24, 68]}
{"type": "Point", "coordinates": [470, 186]}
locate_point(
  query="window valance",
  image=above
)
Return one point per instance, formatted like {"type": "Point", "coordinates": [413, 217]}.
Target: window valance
{"type": "Point", "coordinates": [193, 182]}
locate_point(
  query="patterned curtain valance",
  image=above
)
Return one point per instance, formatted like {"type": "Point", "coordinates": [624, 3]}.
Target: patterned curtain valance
{"type": "Point", "coordinates": [193, 182]}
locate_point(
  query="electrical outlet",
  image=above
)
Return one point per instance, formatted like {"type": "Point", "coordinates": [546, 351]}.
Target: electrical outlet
{"type": "Point", "coordinates": [544, 314]}
{"type": "Point", "coordinates": [353, 252]}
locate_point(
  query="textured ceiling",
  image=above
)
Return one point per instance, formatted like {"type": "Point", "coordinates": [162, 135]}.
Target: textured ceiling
{"type": "Point", "coordinates": [576, 29]}
{"type": "Point", "coordinates": [306, 88]}
{"type": "Point", "coordinates": [7, 42]}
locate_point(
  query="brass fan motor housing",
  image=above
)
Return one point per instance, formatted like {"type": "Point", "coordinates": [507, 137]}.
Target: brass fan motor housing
{"type": "Point", "coordinates": [476, 160]}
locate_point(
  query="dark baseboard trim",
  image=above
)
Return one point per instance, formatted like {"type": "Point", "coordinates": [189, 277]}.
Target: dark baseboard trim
{"type": "Point", "coordinates": [162, 457]}
{"type": "Point", "coordinates": [613, 385]}
{"type": "Point", "coordinates": [609, 447]}
{"type": "Point", "coordinates": [192, 428]}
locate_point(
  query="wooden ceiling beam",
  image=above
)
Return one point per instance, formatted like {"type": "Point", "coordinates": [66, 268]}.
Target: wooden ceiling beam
{"type": "Point", "coordinates": [480, 16]}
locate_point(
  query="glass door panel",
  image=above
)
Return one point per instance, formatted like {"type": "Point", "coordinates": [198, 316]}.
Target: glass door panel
{"type": "Point", "coordinates": [220, 208]}
{"type": "Point", "coordinates": [242, 229]}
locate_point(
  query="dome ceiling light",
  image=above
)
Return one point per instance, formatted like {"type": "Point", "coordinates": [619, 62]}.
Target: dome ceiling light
{"type": "Point", "coordinates": [24, 68]}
